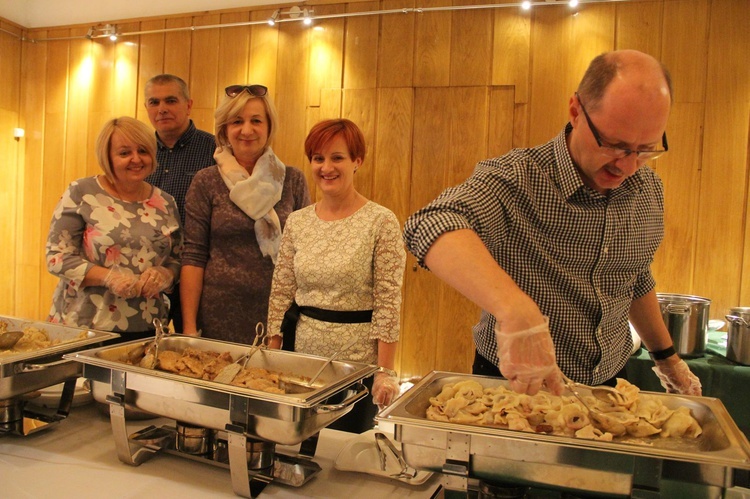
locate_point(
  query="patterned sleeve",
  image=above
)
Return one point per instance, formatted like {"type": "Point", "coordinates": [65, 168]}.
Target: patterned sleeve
{"type": "Point", "coordinates": [197, 220]}
{"type": "Point", "coordinates": [389, 260]}
{"type": "Point", "coordinates": [284, 284]}
{"type": "Point", "coordinates": [64, 249]}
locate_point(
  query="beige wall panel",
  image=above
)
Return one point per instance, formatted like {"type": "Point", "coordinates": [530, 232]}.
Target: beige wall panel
{"type": "Point", "coordinates": [326, 54]}
{"type": "Point", "coordinates": [204, 64]}
{"type": "Point", "coordinates": [638, 27]}
{"type": "Point", "coordinates": [396, 47]}
{"type": "Point", "coordinates": [291, 85]}
{"type": "Point", "coordinates": [79, 86]}
{"type": "Point", "coordinates": [361, 47]}
{"type": "Point", "coordinates": [126, 73]}
{"type": "Point", "coordinates": [360, 105]}
{"type": "Point", "coordinates": [680, 171]}
{"type": "Point", "coordinates": [433, 46]}
{"type": "Point", "coordinates": [150, 62]}
{"type": "Point", "coordinates": [564, 44]}
{"type": "Point", "coordinates": [500, 124]}
{"type": "Point", "coordinates": [264, 46]}
{"type": "Point", "coordinates": [471, 47]}
{"type": "Point", "coordinates": [233, 54]}
{"type": "Point", "coordinates": [684, 47]}
{"type": "Point", "coordinates": [177, 47]}
{"type": "Point", "coordinates": [512, 50]}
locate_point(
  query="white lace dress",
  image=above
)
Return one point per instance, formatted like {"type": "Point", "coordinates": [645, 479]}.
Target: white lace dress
{"type": "Point", "coordinates": [356, 263]}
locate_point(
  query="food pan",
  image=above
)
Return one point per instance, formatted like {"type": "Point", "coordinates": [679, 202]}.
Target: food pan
{"type": "Point", "coordinates": [24, 372]}
{"type": "Point", "coordinates": [502, 455]}
{"type": "Point", "coordinates": [287, 419]}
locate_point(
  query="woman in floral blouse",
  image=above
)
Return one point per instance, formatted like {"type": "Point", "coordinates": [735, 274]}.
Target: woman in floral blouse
{"type": "Point", "coordinates": [115, 240]}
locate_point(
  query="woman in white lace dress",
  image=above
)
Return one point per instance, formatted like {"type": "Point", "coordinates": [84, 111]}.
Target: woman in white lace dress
{"type": "Point", "coordinates": [339, 271]}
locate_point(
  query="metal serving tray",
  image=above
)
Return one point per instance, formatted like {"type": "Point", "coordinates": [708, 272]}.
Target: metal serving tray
{"type": "Point", "coordinates": [281, 418]}
{"type": "Point", "coordinates": [25, 372]}
{"type": "Point", "coordinates": [616, 468]}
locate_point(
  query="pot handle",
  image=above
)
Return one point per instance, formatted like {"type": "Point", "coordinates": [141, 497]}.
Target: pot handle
{"type": "Point", "coordinates": [734, 319]}
{"type": "Point", "coordinates": [677, 308]}
{"type": "Point", "coordinates": [362, 391]}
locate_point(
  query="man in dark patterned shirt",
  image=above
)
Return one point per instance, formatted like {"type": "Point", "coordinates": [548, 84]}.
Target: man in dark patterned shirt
{"type": "Point", "coordinates": [182, 150]}
{"type": "Point", "coordinates": [555, 242]}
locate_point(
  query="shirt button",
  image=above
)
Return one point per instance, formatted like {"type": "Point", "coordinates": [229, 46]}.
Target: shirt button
{"type": "Point", "coordinates": [606, 250]}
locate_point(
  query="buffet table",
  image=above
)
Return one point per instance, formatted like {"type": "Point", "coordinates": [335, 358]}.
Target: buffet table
{"type": "Point", "coordinates": [77, 458]}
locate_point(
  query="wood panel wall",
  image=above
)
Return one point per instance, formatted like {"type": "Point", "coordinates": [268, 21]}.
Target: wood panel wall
{"type": "Point", "coordinates": [434, 92]}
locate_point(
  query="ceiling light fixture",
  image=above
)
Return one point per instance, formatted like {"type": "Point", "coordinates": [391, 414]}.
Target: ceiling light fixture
{"type": "Point", "coordinates": [274, 17]}
{"type": "Point", "coordinates": [306, 17]}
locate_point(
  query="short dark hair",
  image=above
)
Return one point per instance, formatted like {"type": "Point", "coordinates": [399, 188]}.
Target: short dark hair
{"type": "Point", "coordinates": [169, 78]}
{"type": "Point", "coordinates": [324, 131]}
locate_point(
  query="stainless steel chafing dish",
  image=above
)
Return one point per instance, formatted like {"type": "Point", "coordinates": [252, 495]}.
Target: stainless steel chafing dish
{"type": "Point", "coordinates": [239, 417]}
{"type": "Point", "coordinates": [23, 372]}
{"type": "Point", "coordinates": [470, 454]}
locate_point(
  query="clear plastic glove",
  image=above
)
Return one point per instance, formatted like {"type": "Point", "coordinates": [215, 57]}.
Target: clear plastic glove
{"type": "Point", "coordinates": [527, 359]}
{"type": "Point", "coordinates": [122, 282]}
{"type": "Point", "coordinates": [154, 280]}
{"type": "Point", "coordinates": [384, 389]}
{"type": "Point", "coordinates": [676, 377]}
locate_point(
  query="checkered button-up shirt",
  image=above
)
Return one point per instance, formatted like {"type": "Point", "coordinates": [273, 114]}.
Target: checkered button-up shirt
{"type": "Point", "coordinates": [177, 166]}
{"type": "Point", "coordinates": [583, 257]}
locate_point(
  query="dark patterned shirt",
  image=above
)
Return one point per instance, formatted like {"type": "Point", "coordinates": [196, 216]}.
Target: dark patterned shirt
{"type": "Point", "coordinates": [583, 257]}
{"type": "Point", "coordinates": [177, 166]}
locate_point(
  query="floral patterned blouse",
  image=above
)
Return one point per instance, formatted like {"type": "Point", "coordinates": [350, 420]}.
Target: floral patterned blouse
{"type": "Point", "coordinates": [90, 227]}
{"type": "Point", "coordinates": [356, 263]}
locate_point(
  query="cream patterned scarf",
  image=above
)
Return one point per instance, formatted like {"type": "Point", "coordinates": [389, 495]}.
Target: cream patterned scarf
{"type": "Point", "coordinates": [256, 194]}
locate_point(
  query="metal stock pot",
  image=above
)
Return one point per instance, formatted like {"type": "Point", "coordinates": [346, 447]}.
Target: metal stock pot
{"type": "Point", "coordinates": [686, 318]}
{"type": "Point", "coordinates": [738, 335]}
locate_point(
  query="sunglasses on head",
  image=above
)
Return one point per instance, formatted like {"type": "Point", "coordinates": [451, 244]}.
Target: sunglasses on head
{"type": "Point", "coordinates": [254, 90]}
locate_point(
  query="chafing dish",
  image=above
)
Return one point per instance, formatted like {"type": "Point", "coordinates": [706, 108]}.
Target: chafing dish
{"type": "Point", "coordinates": [470, 454]}
{"type": "Point", "coordinates": [24, 372]}
{"type": "Point", "coordinates": [237, 415]}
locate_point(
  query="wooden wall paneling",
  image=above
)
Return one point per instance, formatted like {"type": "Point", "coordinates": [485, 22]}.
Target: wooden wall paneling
{"type": "Point", "coordinates": [177, 47]}
{"type": "Point", "coordinates": [326, 54]}
{"type": "Point", "coordinates": [361, 47]}
{"type": "Point", "coordinates": [264, 47]}
{"type": "Point", "coordinates": [680, 171]}
{"type": "Point", "coordinates": [684, 49]}
{"type": "Point", "coordinates": [291, 91]}
{"type": "Point", "coordinates": [126, 72]}
{"type": "Point", "coordinates": [81, 66]}
{"type": "Point", "coordinates": [102, 96]}
{"type": "Point", "coordinates": [500, 121]}
{"type": "Point", "coordinates": [745, 277]}
{"type": "Point", "coordinates": [31, 235]}
{"type": "Point", "coordinates": [521, 125]}
{"type": "Point", "coordinates": [204, 70]}
{"type": "Point", "coordinates": [638, 26]}
{"type": "Point", "coordinates": [330, 107]}
{"type": "Point", "coordinates": [421, 293]}
{"type": "Point", "coordinates": [396, 46]}
{"type": "Point", "coordinates": [359, 105]}
{"type": "Point", "coordinates": [471, 46]}
{"type": "Point", "coordinates": [511, 51]}
{"type": "Point", "coordinates": [233, 55]}
{"type": "Point", "coordinates": [432, 50]}
{"type": "Point", "coordinates": [150, 62]}
{"type": "Point", "coordinates": [592, 32]}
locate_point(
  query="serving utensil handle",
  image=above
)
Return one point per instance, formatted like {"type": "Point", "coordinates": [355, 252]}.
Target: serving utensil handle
{"type": "Point", "coordinates": [362, 392]}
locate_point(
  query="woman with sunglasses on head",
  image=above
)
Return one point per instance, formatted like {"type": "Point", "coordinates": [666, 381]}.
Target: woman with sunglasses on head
{"type": "Point", "coordinates": [234, 214]}
{"type": "Point", "coordinates": [338, 278]}
{"type": "Point", "coordinates": [114, 240]}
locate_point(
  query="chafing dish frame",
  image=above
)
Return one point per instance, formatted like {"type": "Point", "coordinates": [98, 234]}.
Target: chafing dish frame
{"type": "Point", "coordinates": [468, 453]}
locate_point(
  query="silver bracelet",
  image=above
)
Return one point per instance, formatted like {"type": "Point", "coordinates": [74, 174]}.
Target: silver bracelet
{"type": "Point", "coordinates": [389, 372]}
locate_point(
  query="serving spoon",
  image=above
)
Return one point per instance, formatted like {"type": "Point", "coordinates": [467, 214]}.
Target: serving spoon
{"type": "Point", "coordinates": [8, 340]}
{"type": "Point", "coordinates": [604, 393]}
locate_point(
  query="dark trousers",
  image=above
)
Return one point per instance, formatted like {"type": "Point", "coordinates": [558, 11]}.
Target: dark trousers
{"type": "Point", "coordinates": [484, 367]}
{"type": "Point", "coordinates": [175, 309]}
{"type": "Point", "coordinates": [361, 417]}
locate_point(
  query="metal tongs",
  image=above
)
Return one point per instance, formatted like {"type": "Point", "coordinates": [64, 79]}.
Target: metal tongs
{"type": "Point", "coordinates": [160, 333]}
{"type": "Point", "coordinates": [229, 372]}
{"type": "Point", "coordinates": [382, 440]}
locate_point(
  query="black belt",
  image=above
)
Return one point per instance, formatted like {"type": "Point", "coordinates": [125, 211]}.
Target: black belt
{"type": "Point", "coordinates": [289, 323]}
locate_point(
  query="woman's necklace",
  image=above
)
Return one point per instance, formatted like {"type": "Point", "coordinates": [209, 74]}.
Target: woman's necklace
{"type": "Point", "coordinates": [140, 194]}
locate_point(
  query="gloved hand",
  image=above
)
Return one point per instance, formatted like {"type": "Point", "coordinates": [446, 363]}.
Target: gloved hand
{"type": "Point", "coordinates": [527, 359]}
{"type": "Point", "coordinates": [154, 280]}
{"type": "Point", "coordinates": [384, 389]}
{"type": "Point", "coordinates": [676, 377]}
{"type": "Point", "coordinates": [122, 282]}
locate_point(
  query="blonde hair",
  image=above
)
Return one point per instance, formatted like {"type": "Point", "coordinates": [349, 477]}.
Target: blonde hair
{"type": "Point", "coordinates": [133, 130]}
{"type": "Point", "coordinates": [231, 107]}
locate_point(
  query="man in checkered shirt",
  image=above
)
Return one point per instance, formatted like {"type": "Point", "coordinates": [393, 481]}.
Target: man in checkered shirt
{"type": "Point", "coordinates": [182, 150]}
{"type": "Point", "coordinates": [555, 242]}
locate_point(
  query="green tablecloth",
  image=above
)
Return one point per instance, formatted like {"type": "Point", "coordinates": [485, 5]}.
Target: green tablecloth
{"type": "Point", "coordinates": [721, 378]}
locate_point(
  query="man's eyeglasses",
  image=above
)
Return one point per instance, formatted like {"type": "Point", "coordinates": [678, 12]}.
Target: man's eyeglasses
{"type": "Point", "coordinates": [254, 90]}
{"type": "Point", "coordinates": [618, 152]}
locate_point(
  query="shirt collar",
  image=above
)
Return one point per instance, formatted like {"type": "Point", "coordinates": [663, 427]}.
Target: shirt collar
{"type": "Point", "coordinates": [184, 139]}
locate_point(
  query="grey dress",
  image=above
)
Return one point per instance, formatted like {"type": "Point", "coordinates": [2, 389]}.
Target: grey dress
{"type": "Point", "coordinates": [220, 238]}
